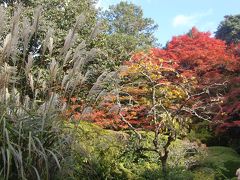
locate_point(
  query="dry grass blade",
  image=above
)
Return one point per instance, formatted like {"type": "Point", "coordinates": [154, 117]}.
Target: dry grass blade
{"type": "Point", "coordinates": [55, 158]}
{"type": "Point", "coordinates": [36, 172]}
{"type": "Point", "coordinates": [8, 163]}
{"type": "Point", "coordinates": [3, 171]}
{"type": "Point", "coordinates": [44, 155]}
{"type": "Point", "coordinates": [29, 144]}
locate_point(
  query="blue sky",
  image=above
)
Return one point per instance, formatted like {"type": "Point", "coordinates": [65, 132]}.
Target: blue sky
{"type": "Point", "coordinates": [176, 17]}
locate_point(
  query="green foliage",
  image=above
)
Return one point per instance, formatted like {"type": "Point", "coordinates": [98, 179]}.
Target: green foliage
{"type": "Point", "coordinates": [109, 155]}
{"type": "Point", "coordinates": [127, 18]}
{"type": "Point", "coordinates": [127, 31]}
{"type": "Point", "coordinates": [204, 173]}
{"type": "Point", "coordinates": [223, 160]}
{"type": "Point", "coordinates": [201, 131]}
{"type": "Point", "coordinates": [229, 29]}
{"type": "Point", "coordinates": [96, 152]}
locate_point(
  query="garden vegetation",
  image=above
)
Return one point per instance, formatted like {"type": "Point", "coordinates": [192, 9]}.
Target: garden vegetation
{"type": "Point", "coordinates": [87, 94]}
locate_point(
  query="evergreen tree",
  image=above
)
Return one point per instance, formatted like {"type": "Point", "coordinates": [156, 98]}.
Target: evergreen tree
{"type": "Point", "coordinates": [229, 29]}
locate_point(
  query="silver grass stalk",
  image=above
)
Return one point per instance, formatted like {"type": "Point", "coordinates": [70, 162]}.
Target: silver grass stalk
{"type": "Point", "coordinates": [39, 75]}
{"type": "Point", "coordinates": [54, 101]}
{"type": "Point", "coordinates": [70, 38]}
{"type": "Point", "coordinates": [77, 81]}
{"type": "Point", "coordinates": [65, 79]}
{"type": "Point", "coordinates": [66, 88]}
{"type": "Point", "coordinates": [87, 110]}
{"type": "Point", "coordinates": [5, 95]}
{"type": "Point", "coordinates": [50, 46]}
{"type": "Point", "coordinates": [53, 70]}
{"type": "Point", "coordinates": [97, 87]}
{"type": "Point", "coordinates": [7, 75]}
{"type": "Point", "coordinates": [50, 105]}
{"type": "Point", "coordinates": [35, 100]}
{"type": "Point", "coordinates": [79, 50]}
{"type": "Point", "coordinates": [86, 76]}
{"type": "Point", "coordinates": [64, 107]}
{"type": "Point", "coordinates": [15, 97]}
{"type": "Point", "coordinates": [7, 44]}
{"type": "Point", "coordinates": [96, 30]}
{"type": "Point", "coordinates": [102, 94]}
{"type": "Point", "coordinates": [2, 19]}
{"type": "Point", "coordinates": [14, 35]}
{"type": "Point", "coordinates": [44, 86]}
{"type": "Point", "coordinates": [90, 56]}
{"type": "Point", "coordinates": [48, 41]}
{"type": "Point", "coordinates": [26, 34]}
{"type": "Point", "coordinates": [37, 15]}
{"type": "Point", "coordinates": [26, 103]}
{"type": "Point", "coordinates": [2, 81]}
{"type": "Point", "coordinates": [79, 21]}
{"type": "Point", "coordinates": [29, 64]}
{"type": "Point", "coordinates": [31, 82]}
{"type": "Point", "coordinates": [78, 64]}
{"type": "Point", "coordinates": [67, 57]}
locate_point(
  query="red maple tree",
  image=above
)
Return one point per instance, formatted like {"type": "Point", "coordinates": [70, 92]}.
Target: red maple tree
{"type": "Point", "coordinates": [210, 61]}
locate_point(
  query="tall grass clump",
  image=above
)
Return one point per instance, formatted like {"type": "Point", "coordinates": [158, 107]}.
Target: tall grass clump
{"type": "Point", "coordinates": [34, 78]}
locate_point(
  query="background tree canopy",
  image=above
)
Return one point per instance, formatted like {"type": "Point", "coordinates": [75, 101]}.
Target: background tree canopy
{"type": "Point", "coordinates": [229, 29]}
{"type": "Point", "coordinates": [127, 30]}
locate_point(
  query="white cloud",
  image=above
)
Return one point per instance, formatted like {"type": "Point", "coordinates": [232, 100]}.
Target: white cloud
{"type": "Point", "coordinates": [189, 20]}
{"type": "Point", "coordinates": [182, 20]}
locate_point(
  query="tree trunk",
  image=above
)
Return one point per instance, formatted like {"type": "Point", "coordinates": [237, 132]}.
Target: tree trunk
{"type": "Point", "coordinates": [164, 167]}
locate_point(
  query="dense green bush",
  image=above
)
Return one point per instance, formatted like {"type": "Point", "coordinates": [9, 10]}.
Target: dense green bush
{"type": "Point", "coordinates": [113, 155]}
{"type": "Point", "coordinates": [223, 160]}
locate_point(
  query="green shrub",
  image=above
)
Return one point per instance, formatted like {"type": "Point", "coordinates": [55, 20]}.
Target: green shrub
{"type": "Point", "coordinates": [223, 160]}
{"type": "Point", "coordinates": [201, 131]}
{"type": "Point", "coordinates": [204, 173]}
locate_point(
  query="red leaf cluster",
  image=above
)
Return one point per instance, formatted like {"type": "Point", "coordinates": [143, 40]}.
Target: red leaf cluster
{"type": "Point", "coordinates": [209, 60]}
{"type": "Point", "coordinates": [195, 55]}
